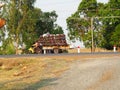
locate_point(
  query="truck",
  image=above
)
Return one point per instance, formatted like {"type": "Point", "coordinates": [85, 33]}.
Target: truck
{"type": "Point", "coordinates": [50, 43]}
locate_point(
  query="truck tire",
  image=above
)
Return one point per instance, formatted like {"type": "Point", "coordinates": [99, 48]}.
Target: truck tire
{"type": "Point", "coordinates": [56, 51]}
{"type": "Point", "coordinates": [37, 50]}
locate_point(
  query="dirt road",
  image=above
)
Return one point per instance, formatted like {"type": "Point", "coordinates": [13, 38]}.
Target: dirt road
{"type": "Point", "coordinates": [92, 74]}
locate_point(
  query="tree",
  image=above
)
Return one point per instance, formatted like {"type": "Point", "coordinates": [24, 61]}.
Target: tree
{"type": "Point", "coordinates": [18, 15]}
{"type": "Point", "coordinates": [46, 23]}
{"type": "Point", "coordinates": [111, 10]}
{"type": "Point", "coordinates": [79, 24]}
{"type": "Point", "coordinates": [25, 23]}
{"type": "Point", "coordinates": [104, 20]}
{"type": "Point", "coordinates": [57, 29]}
{"type": "Point", "coordinates": [115, 39]}
{"type": "Point", "coordinates": [8, 47]}
{"type": "Point", "coordinates": [30, 31]}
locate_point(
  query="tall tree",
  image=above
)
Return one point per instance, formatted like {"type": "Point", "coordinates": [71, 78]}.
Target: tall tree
{"type": "Point", "coordinates": [112, 12]}
{"type": "Point", "coordinates": [79, 24]}
{"type": "Point", "coordinates": [19, 14]}
{"type": "Point", "coordinates": [115, 38]}
{"type": "Point", "coordinates": [25, 24]}
{"type": "Point", "coordinates": [3, 30]}
{"type": "Point", "coordinates": [46, 23]}
{"type": "Point", "coordinates": [105, 18]}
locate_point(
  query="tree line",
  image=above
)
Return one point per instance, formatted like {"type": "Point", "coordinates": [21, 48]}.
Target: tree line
{"type": "Point", "coordinates": [105, 23]}
{"type": "Point", "coordinates": [24, 24]}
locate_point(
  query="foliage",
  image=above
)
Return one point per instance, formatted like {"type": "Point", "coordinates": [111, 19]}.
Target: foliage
{"type": "Point", "coordinates": [79, 24]}
{"type": "Point", "coordinates": [46, 24]}
{"type": "Point", "coordinates": [57, 30]}
{"type": "Point", "coordinates": [115, 39]}
{"type": "Point", "coordinates": [8, 47]}
{"type": "Point", "coordinates": [25, 23]}
{"type": "Point", "coordinates": [110, 23]}
{"type": "Point", "coordinates": [105, 19]}
{"type": "Point", "coordinates": [29, 32]}
{"type": "Point", "coordinates": [15, 13]}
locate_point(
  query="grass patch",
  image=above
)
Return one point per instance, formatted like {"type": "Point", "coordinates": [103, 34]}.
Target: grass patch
{"type": "Point", "coordinates": [30, 74]}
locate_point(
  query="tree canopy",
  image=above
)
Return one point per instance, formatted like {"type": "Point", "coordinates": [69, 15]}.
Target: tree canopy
{"type": "Point", "coordinates": [25, 24]}
{"type": "Point", "coordinates": [102, 18]}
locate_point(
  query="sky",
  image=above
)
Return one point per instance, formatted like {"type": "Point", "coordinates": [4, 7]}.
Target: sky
{"type": "Point", "coordinates": [63, 8]}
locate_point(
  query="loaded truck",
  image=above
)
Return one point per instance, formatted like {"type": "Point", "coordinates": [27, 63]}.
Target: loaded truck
{"type": "Point", "coordinates": [50, 43]}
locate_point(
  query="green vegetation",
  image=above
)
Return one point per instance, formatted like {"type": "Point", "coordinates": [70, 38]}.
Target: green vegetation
{"type": "Point", "coordinates": [105, 19]}
{"type": "Point", "coordinates": [25, 24]}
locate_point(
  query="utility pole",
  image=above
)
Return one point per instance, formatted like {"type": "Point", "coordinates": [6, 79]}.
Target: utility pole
{"type": "Point", "coordinates": [92, 35]}
{"type": "Point", "coordinates": [92, 27]}
{"type": "Point", "coordinates": [92, 31]}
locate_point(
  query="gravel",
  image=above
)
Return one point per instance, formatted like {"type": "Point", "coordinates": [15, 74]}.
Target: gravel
{"type": "Point", "coordinates": [92, 74]}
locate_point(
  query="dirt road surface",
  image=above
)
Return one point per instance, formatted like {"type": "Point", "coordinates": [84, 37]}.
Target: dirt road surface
{"type": "Point", "coordinates": [101, 73]}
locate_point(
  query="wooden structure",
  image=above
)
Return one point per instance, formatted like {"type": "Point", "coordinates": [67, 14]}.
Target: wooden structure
{"type": "Point", "coordinates": [51, 44]}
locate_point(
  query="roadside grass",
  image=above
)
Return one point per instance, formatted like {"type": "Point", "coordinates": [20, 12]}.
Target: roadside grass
{"type": "Point", "coordinates": [30, 73]}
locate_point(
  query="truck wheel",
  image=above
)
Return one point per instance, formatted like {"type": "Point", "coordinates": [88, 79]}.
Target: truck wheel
{"type": "Point", "coordinates": [56, 51]}
{"type": "Point", "coordinates": [37, 50]}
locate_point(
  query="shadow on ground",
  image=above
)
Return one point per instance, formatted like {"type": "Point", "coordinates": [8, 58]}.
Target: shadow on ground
{"type": "Point", "coordinates": [41, 84]}
{"type": "Point", "coordinates": [23, 86]}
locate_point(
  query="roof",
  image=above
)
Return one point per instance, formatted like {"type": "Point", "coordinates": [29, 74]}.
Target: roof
{"type": "Point", "coordinates": [52, 40]}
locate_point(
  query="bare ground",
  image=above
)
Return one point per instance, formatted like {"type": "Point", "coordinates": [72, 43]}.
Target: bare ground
{"type": "Point", "coordinates": [96, 72]}
{"type": "Point", "coordinates": [93, 74]}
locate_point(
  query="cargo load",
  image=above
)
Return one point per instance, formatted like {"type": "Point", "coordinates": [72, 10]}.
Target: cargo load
{"type": "Point", "coordinates": [50, 43]}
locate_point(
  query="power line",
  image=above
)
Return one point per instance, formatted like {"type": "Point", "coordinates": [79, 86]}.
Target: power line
{"type": "Point", "coordinates": [87, 10]}
{"type": "Point", "coordinates": [60, 2]}
{"type": "Point", "coordinates": [108, 17]}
